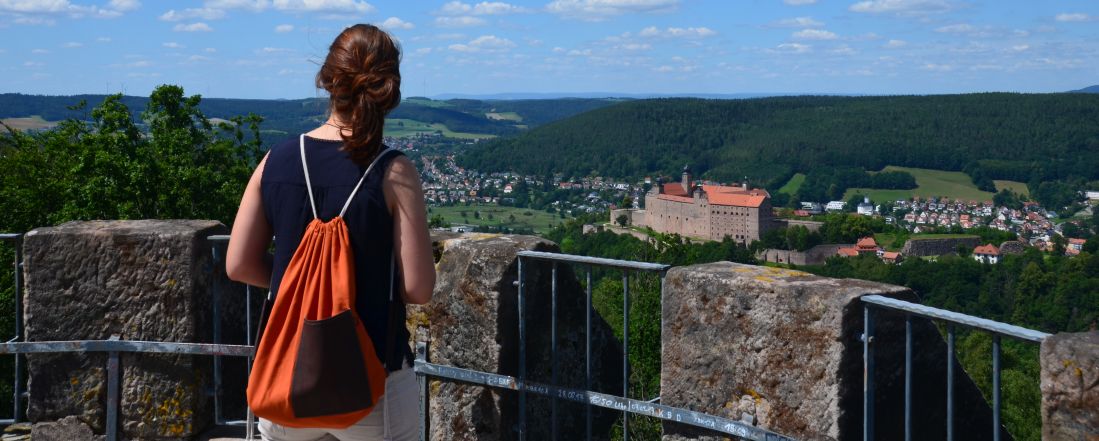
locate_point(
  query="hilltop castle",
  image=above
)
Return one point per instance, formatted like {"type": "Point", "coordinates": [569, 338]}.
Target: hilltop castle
{"type": "Point", "coordinates": [693, 209]}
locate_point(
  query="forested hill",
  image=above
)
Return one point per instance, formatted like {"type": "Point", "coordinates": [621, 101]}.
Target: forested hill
{"type": "Point", "coordinates": [1008, 136]}
{"type": "Point", "coordinates": [459, 115]}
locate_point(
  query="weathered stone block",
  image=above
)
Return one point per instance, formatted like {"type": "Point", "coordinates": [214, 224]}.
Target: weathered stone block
{"type": "Point", "coordinates": [472, 323]}
{"type": "Point", "coordinates": [142, 280]}
{"type": "Point", "coordinates": [1070, 387]}
{"type": "Point", "coordinates": [782, 348]}
{"type": "Point", "coordinates": [69, 428]}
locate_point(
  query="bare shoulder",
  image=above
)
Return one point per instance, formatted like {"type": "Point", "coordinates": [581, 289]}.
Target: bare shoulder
{"type": "Point", "coordinates": [401, 171]}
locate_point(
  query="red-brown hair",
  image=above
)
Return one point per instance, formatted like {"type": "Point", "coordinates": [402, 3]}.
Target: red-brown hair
{"type": "Point", "coordinates": [363, 78]}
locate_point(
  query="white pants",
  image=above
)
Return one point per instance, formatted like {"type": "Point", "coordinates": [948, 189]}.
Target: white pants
{"type": "Point", "coordinates": [403, 403]}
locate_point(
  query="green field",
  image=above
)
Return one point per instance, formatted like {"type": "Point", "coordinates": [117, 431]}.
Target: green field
{"type": "Point", "coordinates": [429, 102]}
{"type": "Point", "coordinates": [400, 128]}
{"type": "Point", "coordinates": [954, 185]}
{"type": "Point", "coordinates": [30, 123]}
{"type": "Point", "coordinates": [504, 116]}
{"type": "Point", "coordinates": [793, 184]}
{"type": "Point", "coordinates": [538, 220]}
{"type": "Point", "coordinates": [1017, 187]}
{"type": "Point", "coordinates": [885, 240]}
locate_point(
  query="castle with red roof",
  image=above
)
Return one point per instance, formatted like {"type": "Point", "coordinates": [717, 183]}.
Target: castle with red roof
{"type": "Point", "coordinates": [694, 209]}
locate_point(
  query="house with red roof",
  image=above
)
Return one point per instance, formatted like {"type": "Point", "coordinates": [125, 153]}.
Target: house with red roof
{"type": "Point", "coordinates": [986, 254]}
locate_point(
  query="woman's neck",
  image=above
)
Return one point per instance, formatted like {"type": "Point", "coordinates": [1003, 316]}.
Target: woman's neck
{"type": "Point", "coordinates": [331, 129]}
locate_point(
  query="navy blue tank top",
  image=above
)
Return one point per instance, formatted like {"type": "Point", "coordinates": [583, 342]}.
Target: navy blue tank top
{"type": "Point", "coordinates": [333, 175]}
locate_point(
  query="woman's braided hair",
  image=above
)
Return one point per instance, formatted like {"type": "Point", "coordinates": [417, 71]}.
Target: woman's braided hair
{"type": "Point", "coordinates": [363, 79]}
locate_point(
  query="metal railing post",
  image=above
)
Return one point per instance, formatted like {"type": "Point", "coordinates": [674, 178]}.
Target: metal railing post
{"type": "Point", "coordinates": [216, 294]}
{"type": "Point", "coordinates": [553, 351]}
{"type": "Point", "coordinates": [421, 355]}
{"type": "Point", "coordinates": [522, 355]}
{"type": "Point", "coordinates": [625, 351]}
{"type": "Point", "coordinates": [113, 380]}
{"type": "Point", "coordinates": [587, 348]}
{"type": "Point", "coordinates": [950, 382]}
{"type": "Point", "coordinates": [995, 387]}
{"type": "Point", "coordinates": [868, 375]}
{"type": "Point", "coordinates": [908, 377]}
{"type": "Point", "coordinates": [17, 390]}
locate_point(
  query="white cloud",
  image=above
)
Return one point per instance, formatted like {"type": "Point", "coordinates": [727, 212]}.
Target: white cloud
{"type": "Point", "coordinates": [394, 23]}
{"type": "Point", "coordinates": [1073, 17]}
{"type": "Point", "coordinates": [352, 6]}
{"type": "Point", "coordinates": [124, 5]}
{"type": "Point", "coordinates": [558, 50]}
{"type": "Point", "coordinates": [73, 44]}
{"type": "Point", "coordinates": [454, 8]}
{"type": "Point", "coordinates": [173, 45]}
{"type": "Point", "coordinates": [792, 48]}
{"type": "Point", "coordinates": [210, 50]}
{"type": "Point", "coordinates": [39, 51]}
{"type": "Point", "coordinates": [423, 51]}
{"type": "Point", "coordinates": [903, 7]}
{"type": "Point", "coordinates": [31, 12]}
{"type": "Point", "coordinates": [1020, 47]}
{"type": "Point", "coordinates": [798, 22]}
{"type": "Point", "coordinates": [596, 10]}
{"type": "Point", "coordinates": [956, 29]}
{"type": "Point", "coordinates": [843, 50]}
{"type": "Point", "coordinates": [895, 44]}
{"type": "Point", "coordinates": [284, 28]}
{"type": "Point", "coordinates": [484, 43]}
{"type": "Point", "coordinates": [251, 5]}
{"type": "Point", "coordinates": [815, 34]}
{"type": "Point", "coordinates": [193, 27]}
{"type": "Point", "coordinates": [664, 69]}
{"type": "Point", "coordinates": [274, 50]}
{"type": "Point", "coordinates": [635, 47]}
{"type": "Point", "coordinates": [140, 63]}
{"type": "Point", "coordinates": [198, 58]}
{"type": "Point", "coordinates": [799, 2]}
{"type": "Point", "coordinates": [937, 67]}
{"type": "Point", "coordinates": [103, 39]}
{"type": "Point", "coordinates": [193, 13]}
{"type": "Point", "coordinates": [33, 64]}
{"type": "Point", "coordinates": [654, 32]}
{"type": "Point", "coordinates": [459, 22]}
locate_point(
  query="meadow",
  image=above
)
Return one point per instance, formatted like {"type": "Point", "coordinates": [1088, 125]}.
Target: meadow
{"type": "Point", "coordinates": [954, 185]}
{"type": "Point", "coordinates": [401, 128]}
{"type": "Point", "coordinates": [497, 216]}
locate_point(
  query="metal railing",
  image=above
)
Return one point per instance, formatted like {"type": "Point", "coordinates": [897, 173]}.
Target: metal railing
{"type": "Point", "coordinates": [523, 385]}
{"type": "Point", "coordinates": [115, 345]}
{"type": "Point", "coordinates": [952, 319]}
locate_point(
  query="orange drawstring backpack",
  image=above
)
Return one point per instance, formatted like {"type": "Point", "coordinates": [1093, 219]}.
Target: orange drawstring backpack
{"type": "Point", "coordinates": [315, 365]}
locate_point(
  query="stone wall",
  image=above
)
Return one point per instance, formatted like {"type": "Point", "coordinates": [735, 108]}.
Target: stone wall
{"type": "Point", "coordinates": [1070, 387]}
{"type": "Point", "coordinates": [472, 323]}
{"type": "Point", "coordinates": [813, 256]}
{"type": "Point", "coordinates": [142, 280]}
{"type": "Point", "coordinates": [937, 247]}
{"type": "Point", "coordinates": [781, 348]}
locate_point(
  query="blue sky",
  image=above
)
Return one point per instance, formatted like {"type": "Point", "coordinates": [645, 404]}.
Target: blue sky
{"type": "Point", "coordinates": [271, 48]}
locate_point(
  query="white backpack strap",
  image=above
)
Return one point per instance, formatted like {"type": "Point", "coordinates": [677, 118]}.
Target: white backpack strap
{"type": "Point", "coordinates": [308, 185]}
{"type": "Point", "coordinates": [363, 178]}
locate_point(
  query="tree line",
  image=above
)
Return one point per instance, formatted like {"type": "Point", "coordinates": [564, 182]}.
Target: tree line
{"type": "Point", "coordinates": [1022, 137]}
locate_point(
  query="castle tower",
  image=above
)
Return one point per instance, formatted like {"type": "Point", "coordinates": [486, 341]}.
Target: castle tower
{"type": "Point", "coordinates": [686, 179]}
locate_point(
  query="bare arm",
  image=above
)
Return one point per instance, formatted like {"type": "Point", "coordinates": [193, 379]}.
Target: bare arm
{"type": "Point", "coordinates": [412, 244]}
{"type": "Point", "coordinates": [247, 259]}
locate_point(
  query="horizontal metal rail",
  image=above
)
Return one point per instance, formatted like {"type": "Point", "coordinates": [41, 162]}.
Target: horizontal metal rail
{"type": "Point", "coordinates": [10, 236]}
{"type": "Point", "coordinates": [688, 417]}
{"type": "Point", "coordinates": [954, 317]}
{"type": "Point", "coordinates": [156, 347]}
{"type": "Point", "coordinates": [626, 264]}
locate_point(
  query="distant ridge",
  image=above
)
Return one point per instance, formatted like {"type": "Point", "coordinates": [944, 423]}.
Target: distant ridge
{"type": "Point", "coordinates": [558, 95]}
{"type": "Point", "coordinates": [1092, 89]}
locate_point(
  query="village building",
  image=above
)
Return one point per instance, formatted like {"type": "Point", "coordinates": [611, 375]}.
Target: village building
{"type": "Point", "coordinates": [986, 254]}
{"type": "Point", "coordinates": [694, 209]}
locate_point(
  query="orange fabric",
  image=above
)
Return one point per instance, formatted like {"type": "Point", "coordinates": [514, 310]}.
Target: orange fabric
{"type": "Point", "coordinates": [319, 283]}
